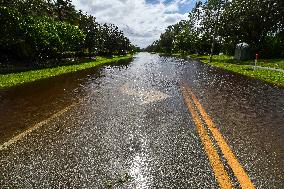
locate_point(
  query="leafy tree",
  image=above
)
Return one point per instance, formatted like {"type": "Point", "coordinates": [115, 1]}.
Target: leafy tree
{"type": "Point", "coordinates": [66, 11]}
{"type": "Point", "coordinates": [251, 21]}
{"type": "Point", "coordinates": [11, 33]}
{"type": "Point", "coordinates": [222, 24]}
{"type": "Point", "coordinates": [42, 29]}
{"type": "Point", "coordinates": [92, 31]}
{"type": "Point", "coordinates": [50, 38]}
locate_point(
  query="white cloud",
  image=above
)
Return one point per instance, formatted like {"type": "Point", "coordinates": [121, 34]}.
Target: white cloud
{"type": "Point", "coordinates": [141, 22]}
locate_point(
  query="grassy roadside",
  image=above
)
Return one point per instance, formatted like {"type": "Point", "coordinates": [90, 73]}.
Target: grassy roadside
{"type": "Point", "coordinates": [271, 63]}
{"type": "Point", "coordinates": [241, 67]}
{"type": "Point", "coordinates": [13, 79]}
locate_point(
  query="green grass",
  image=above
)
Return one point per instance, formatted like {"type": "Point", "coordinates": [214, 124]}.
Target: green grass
{"type": "Point", "coordinates": [241, 67]}
{"type": "Point", "coordinates": [9, 80]}
{"type": "Point", "coordinates": [271, 63]}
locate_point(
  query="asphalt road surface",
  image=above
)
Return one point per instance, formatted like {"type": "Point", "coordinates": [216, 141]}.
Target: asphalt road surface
{"type": "Point", "coordinates": [152, 122]}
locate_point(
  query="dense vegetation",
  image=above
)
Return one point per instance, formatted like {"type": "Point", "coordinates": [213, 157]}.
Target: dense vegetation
{"type": "Point", "coordinates": [39, 30]}
{"type": "Point", "coordinates": [259, 23]}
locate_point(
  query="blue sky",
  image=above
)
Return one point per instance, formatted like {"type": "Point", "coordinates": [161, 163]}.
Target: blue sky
{"type": "Point", "coordinates": [142, 21]}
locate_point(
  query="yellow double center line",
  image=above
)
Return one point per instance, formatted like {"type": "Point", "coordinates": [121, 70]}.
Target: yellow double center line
{"type": "Point", "coordinates": [218, 168]}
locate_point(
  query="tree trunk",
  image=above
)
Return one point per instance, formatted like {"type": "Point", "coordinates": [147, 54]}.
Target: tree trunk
{"type": "Point", "coordinates": [215, 32]}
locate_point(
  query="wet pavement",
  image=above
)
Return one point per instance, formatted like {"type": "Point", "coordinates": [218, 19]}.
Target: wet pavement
{"type": "Point", "coordinates": [130, 128]}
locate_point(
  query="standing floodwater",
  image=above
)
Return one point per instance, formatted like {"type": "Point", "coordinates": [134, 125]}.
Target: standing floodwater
{"type": "Point", "coordinates": [25, 105]}
{"type": "Point", "coordinates": [132, 129]}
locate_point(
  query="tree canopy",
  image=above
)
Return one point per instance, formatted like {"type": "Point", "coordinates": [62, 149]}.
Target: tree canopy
{"type": "Point", "coordinates": [38, 30]}
{"type": "Point", "coordinates": [258, 23]}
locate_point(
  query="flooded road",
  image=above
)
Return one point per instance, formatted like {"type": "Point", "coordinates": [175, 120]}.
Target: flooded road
{"type": "Point", "coordinates": [133, 125]}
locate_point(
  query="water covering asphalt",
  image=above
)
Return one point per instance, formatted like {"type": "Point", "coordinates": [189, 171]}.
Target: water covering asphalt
{"type": "Point", "coordinates": [131, 128]}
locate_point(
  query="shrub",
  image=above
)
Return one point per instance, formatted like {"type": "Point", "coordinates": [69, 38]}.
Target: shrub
{"type": "Point", "coordinates": [50, 38]}
{"type": "Point", "coordinates": [37, 37]}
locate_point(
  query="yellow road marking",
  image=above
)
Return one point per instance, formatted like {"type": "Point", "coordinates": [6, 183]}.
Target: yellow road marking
{"type": "Point", "coordinates": [217, 166]}
{"type": "Point", "coordinates": [35, 127]}
{"type": "Point", "coordinates": [237, 169]}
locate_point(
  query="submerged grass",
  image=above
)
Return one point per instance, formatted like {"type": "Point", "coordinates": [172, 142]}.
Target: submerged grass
{"type": "Point", "coordinates": [245, 68]}
{"type": "Point", "coordinates": [13, 79]}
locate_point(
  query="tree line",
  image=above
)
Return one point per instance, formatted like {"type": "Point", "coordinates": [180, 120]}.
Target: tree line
{"type": "Point", "coordinates": [38, 30]}
{"type": "Point", "coordinates": [225, 23]}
